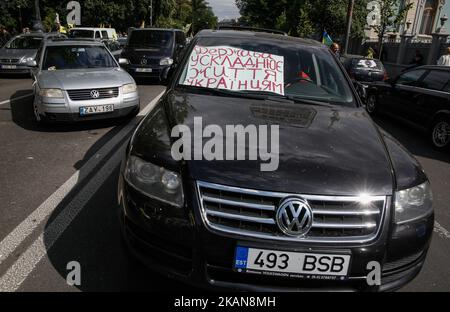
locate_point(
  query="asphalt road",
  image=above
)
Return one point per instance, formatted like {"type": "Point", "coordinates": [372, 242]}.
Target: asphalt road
{"type": "Point", "coordinates": [58, 201]}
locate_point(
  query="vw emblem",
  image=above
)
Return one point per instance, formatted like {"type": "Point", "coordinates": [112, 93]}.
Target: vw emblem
{"type": "Point", "coordinates": [144, 61]}
{"type": "Point", "coordinates": [95, 94]}
{"type": "Point", "coordinates": [294, 217]}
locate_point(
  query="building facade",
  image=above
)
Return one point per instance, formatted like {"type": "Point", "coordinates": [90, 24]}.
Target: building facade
{"type": "Point", "coordinates": [423, 18]}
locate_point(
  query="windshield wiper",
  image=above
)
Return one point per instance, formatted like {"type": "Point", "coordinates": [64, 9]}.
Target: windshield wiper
{"type": "Point", "coordinates": [260, 95]}
{"type": "Point", "coordinates": [299, 99]}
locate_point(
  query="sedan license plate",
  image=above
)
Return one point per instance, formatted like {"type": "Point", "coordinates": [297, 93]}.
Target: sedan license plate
{"type": "Point", "coordinates": [9, 66]}
{"type": "Point", "coordinates": [144, 70]}
{"type": "Point", "coordinates": [100, 109]}
{"type": "Point", "coordinates": [292, 264]}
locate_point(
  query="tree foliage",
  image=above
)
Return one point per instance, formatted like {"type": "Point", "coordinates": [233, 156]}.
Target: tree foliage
{"type": "Point", "coordinates": [120, 14]}
{"type": "Point", "coordinates": [304, 17]}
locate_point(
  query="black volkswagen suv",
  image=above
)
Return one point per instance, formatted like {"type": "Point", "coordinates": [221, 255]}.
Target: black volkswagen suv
{"type": "Point", "coordinates": [345, 206]}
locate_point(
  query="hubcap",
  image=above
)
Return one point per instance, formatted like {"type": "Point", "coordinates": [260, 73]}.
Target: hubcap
{"type": "Point", "coordinates": [441, 134]}
{"type": "Point", "coordinates": [371, 104]}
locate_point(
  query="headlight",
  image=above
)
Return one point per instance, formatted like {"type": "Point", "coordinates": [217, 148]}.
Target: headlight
{"type": "Point", "coordinates": [51, 93]}
{"type": "Point", "coordinates": [26, 59]}
{"type": "Point", "coordinates": [413, 203]}
{"type": "Point", "coordinates": [129, 88]}
{"type": "Point", "coordinates": [154, 181]}
{"type": "Point", "coordinates": [166, 61]}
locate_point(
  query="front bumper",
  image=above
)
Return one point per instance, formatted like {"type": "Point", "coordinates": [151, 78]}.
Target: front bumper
{"type": "Point", "coordinates": [66, 110]}
{"type": "Point", "coordinates": [157, 72]}
{"type": "Point", "coordinates": [177, 244]}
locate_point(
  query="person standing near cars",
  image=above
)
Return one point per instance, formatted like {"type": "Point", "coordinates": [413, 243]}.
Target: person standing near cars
{"type": "Point", "coordinates": [336, 49]}
{"type": "Point", "coordinates": [444, 60]}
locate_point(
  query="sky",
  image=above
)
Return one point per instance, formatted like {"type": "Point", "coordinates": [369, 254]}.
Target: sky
{"type": "Point", "coordinates": [224, 9]}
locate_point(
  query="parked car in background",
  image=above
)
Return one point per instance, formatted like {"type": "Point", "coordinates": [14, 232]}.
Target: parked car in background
{"type": "Point", "coordinates": [151, 52]}
{"type": "Point", "coordinates": [114, 47]}
{"type": "Point", "coordinates": [344, 193]}
{"type": "Point", "coordinates": [363, 69]}
{"type": "Point", "coordinates": [93, 33]}
{"type": "Point", "coordinates": [21, 49]}
{"type": "Point", "coordinates": [122, 41]}
{"type": "Point", "coordinates": [78, 80]}
{"type": "Point", "coordinates": [419, 96]}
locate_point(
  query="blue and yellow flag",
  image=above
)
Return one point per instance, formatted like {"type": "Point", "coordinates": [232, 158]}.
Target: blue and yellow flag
{"type": "Point", "coordinates": [326, 39]}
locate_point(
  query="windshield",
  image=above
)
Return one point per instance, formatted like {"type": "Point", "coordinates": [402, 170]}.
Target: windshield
{"type": "Point", "coordinates": [285, 69]}
{"type": "Point", "coordinates": [160, 39]}
{"type": "Point", "coordinates": [76, 57]}
{"type": "Point", "coordinates": [81, 33]}
{"type": "Point", "coordinates": [26, 42]}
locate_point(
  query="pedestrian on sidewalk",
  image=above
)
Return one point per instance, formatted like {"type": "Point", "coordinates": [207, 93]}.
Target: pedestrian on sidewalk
{"type": "Point", "coordinates": [445, 59]}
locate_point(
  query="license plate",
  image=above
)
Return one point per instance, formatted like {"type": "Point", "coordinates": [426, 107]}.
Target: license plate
{"type": "Point", "coordinates": [89, 110]}
{"type": "Point", "coordinates": [9, 66]}
{"type": "Point", "coordinates": [144, 70]}
{"type": "Point", "coordinates": [291, 264]}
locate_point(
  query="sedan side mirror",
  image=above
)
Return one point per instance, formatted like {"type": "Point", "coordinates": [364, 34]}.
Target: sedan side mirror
{"type": "Point", "coordinates": [360, 89]}
{"type": "Point", "coordinates": [31, 63]}
{"type": "Point", "coordinates": [123, 61]}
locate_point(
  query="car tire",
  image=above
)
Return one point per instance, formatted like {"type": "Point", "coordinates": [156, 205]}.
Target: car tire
{"type": "Point", "coordinates": [440, 133]}
{"type": "Point", "coordinates": [372, 104]}
{"type": "Point", "coordinates": [37, 116]}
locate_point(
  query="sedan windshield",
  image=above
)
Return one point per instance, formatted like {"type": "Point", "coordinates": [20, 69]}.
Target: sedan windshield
{"type": "Point", "coordinates": [76, 57]}
{"type": "Point", "coordinates": [280, 68]}
{"type": "Point", "coordinates": [160, 39]}
{"type": "Point", "coordinates": [26, 42]}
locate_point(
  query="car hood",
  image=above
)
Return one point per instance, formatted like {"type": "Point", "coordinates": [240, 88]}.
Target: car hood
{"type": "Point", "coordinates": [322, 150]}
{"type": "Point", "coordinates": [83, 78]}
{"type": "Point", "coordinates": [17, 53]}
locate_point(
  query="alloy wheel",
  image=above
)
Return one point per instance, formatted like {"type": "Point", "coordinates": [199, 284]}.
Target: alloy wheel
{"type": "Point", "coordinates": [441, 134]}
{"type": "Point", "coordinates": [371, 104]}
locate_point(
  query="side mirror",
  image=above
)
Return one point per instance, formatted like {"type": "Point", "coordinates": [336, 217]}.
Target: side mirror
{"type": "Point", "coordinates": [360, 89]}
{"type": "Point", "coordinates": [167, 74]}
{"type": "Point", "coordinates": [123, 61]}
{"type": "Point", "coordinates": [31, 63]}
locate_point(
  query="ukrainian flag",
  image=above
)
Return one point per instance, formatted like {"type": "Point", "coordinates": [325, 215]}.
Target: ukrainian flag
{"type": "Point", "coordinates": [326, 39]}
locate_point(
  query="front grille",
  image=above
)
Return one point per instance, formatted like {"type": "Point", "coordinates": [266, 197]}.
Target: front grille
{"type": "Point", "coordinates": [252, 213]}
{"type": "Point", "coordinates": [85, 94]}
{"type": "Point", "coordinates": [9, 60]}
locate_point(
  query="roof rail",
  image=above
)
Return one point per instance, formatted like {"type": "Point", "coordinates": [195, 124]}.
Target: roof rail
{"type": "Point", "coordinates": [256, 29]}
{"type": "Point", "coordinates": [74, 39]}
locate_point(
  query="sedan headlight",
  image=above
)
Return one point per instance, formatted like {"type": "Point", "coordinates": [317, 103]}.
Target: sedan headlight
{"type": "Point", "coordinates": [413, 203]}
{"type": "Point", "coordinates": [51, 93]}
{"type": "Point", "coordinates": [129, 88]}
{"type": "Point", "coordinates": [167, 61]}
{"type": "Point", "coordinates": [26, 59]}
{"type": "Point", "coordinates": [154, 181]}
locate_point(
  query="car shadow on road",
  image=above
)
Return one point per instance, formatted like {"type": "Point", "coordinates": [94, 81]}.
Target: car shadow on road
{"type": "Point", "coordinates": [416, 141]}
{"type": "Point", "coordinates": [22, 115]}
{"type": "Point", "coordinates": [93, 238]}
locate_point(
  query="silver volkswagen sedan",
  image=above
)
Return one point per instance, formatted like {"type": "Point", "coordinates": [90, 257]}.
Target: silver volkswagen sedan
{"type": "Point", "coordinates": [76, 80]}
{"type": "Point", "coordinates": [19, 50]}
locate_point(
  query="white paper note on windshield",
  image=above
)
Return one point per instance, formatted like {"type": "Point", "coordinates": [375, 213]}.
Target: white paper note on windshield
{"type": "Point", "coordinates": [225, 67]}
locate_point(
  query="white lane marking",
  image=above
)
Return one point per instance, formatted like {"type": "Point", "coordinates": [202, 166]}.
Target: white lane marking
{"type": "Point", "coordinates": [26, 263]}
{"type": "Point", "coordinates": [441, 231]}
{"type": "Point", "coordinates": [16, 99]}
{"type": "Point", "coordinates": [26, 227]}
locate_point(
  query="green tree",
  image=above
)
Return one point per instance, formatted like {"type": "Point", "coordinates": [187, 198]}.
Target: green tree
{"type": "Point", "coordinates": [202, 16]}
{"type": "Point", "coordinates": [304, 17]}
{"type": "Point", "coordinates": [391, 15]}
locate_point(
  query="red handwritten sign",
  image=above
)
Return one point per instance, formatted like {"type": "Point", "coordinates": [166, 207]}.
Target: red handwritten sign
{"type": "Point", "coordinates": [224, 67]}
